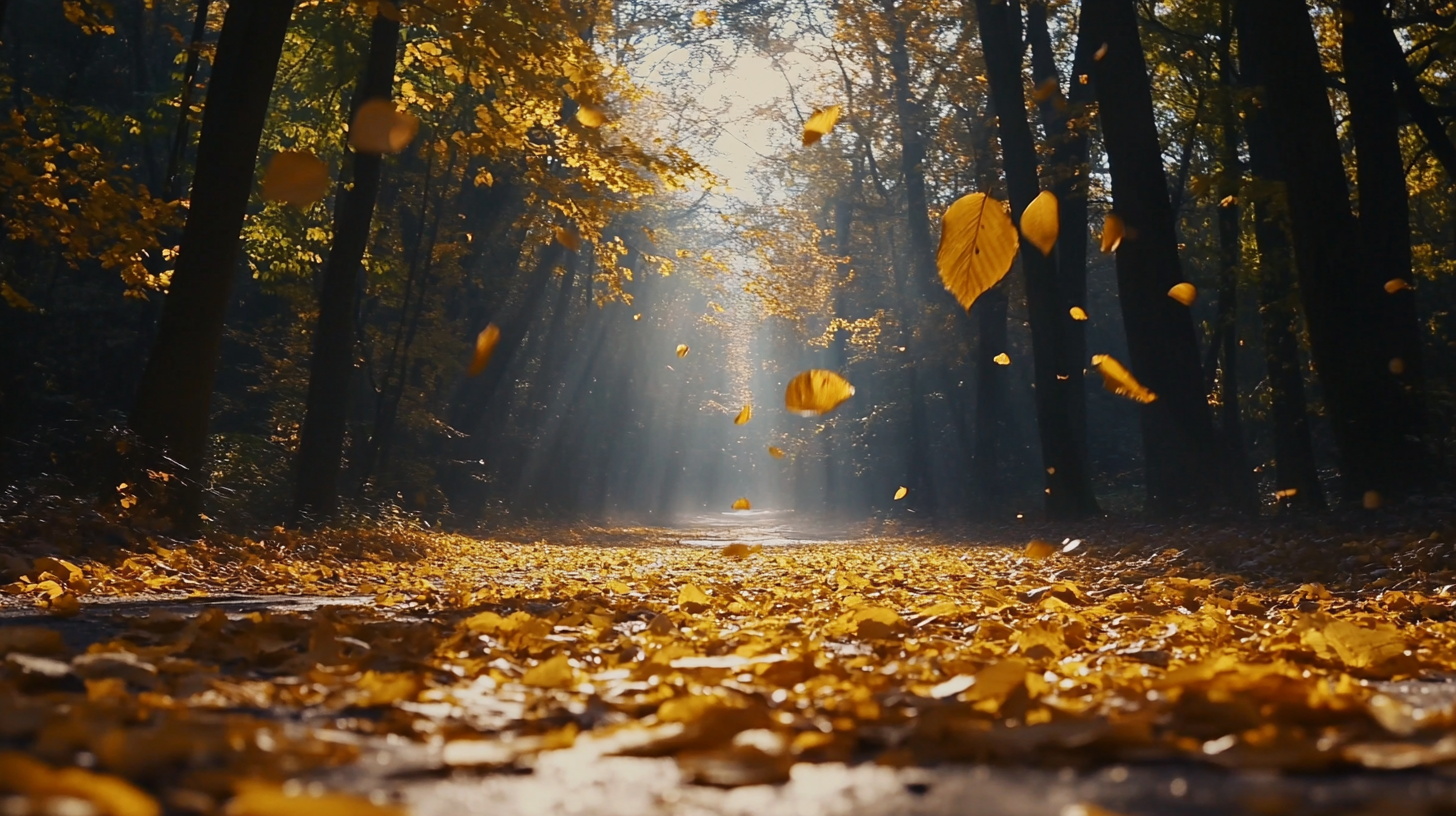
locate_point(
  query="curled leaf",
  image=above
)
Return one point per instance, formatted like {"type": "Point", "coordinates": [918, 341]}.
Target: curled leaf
{"type": "Point", "coordinates": [977, 246]}
{"type": "Point", "coordinates": [1040, 221]}
{"type": "Point", "coordinates": [485, 343]}
{"type": "Point", "coordinates": [820, 123]}
{"type": "Point", "coordinates": [682, 350]}
{"type": "Point", "coordinates": [816, 392]}
{"type": "Point", "coordinates": [1185, 293]}
{"type": "Point", "coordinates": [1117, 379]}
{"type": "Point", "coordinates": [744, 415]}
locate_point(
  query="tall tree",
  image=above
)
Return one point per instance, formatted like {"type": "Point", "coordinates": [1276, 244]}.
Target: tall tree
{"type": "Point", "coordinates": [1230, 174]}
{"type": "Point", "coordinates": [171, 413]}
{"type": "Point", "coordinates": [1187, 465]}
{"type": "Point", "coordinates": [1339, 293]}
{"type": "Point", "coordinates": [178, 149]}
{"type": "Point", "coordinates": [1385, 224]}
{"type": "Point", "coordinates": [321, 443]}
{"type": "Point", "coordinates": [1063, 452]}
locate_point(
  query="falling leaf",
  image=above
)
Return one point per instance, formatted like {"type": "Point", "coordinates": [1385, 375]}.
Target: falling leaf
{"type": "Point", "coordinates": [1078, 313]}
{"type": "Point", "coordinates": [816, 392]}
{"type": "Point", "coordinates": [1395, 285]}
{"type": "Point", "coordinates": [1112, 232]}
{"type": "Point", "coordinates": [1001, 359]}
{"type": "Point", "coordinates": [1120, 381]}
{"type": "Point", "coordinates": [1185, 293]}
{"type": "Point", "coordinates": [682, 350]}
{"type": "Point", "coordinates": [900, 494]}
{"type": "Point", "coordinates": [977, 246]}
{"type": "Point", "coordinates": [1039, 549]}
{"type": "Point", "coordinates": [742, 504]}
{"type": "Point", "coordinates": [567, 237]}
{"type": "Point", "coordinates": [1229, 201]}
{"type": "Point", "coordinates": [703, 18]}
{"type": "Point", "coordinates": [380, 127]}
{"type": "Point", "coordinates": [819, 124]}
{"type": "Point", "coordinates": [1371, 500]}
{"type": "Point", "coordinates": [744, 415]}
{"type": "Point", "coordinates": [1396, 366]}
{"type": "Point", "coordinates": [1101, 52]}
{"type": "Point", "coordinates": [15, 299]}
{"type": "Point", "coordinates": [1040, 222]}
{"type": "Point", "coordinates": [484, 346]}
{"type": "Point", "coordinates": [296, 178]}
{"type": "Point", "coordinates": [637, 316]}
{"type": "Point", "coordinates": [592, 116]}
{"type": "Point", "coordinates": [776, 453]}
{"type": "Point", "coordinates": [1045, 89]}
{"type": "Point", "coordinates": [269, 799]}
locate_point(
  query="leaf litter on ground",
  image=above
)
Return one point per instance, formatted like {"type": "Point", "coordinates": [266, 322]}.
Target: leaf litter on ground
{"type": "Point", "coordinates": [1239, 646]}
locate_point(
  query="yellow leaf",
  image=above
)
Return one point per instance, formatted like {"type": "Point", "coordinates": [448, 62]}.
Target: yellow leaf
{"type": "Point", "coordinates": [386, 688]}
{"type": "Point", "coordinates": [1040, 222]}
{"type": "Point", "coordinates": [1078, 313]}
{"type": "Point", "coordinates": [1395, 285]}
{"type": "Point", "coordinates": [692, 599]}
{"type": "Point", "coordinates": [106, 794]}
{"type": "Point", "coordinates": [742, 504]}
{"type": "Point", "coordinates": [637, 316]}
{"type": "Point", "coordinates": [1362, 648]}
{"type": "Point", "coordinates": [485, 344]}
{"type": "Point", "coordinates": [1101, 52]}
{"type": "Point", "coordinates": [740, 550]}
{"type": "Point", "coordinates": [1119, 380]}
{"type": "Point", "coordinates": [64, 605]}
{"type": "Point", "coordinates": [618, 587]}
{"type": "Point", "coordinates": [977, 246]}
{"type": "Point", "coordinates": [744, 415]}
{"type": "Point", "coordinates": [1001, 359]}
{"type": "Point", "coordinates": [816, 392]}
{"type": "Point", "coordinates": [1112, 232]}
{"type": "Point", "coordinates": [567, 237]}
{"type": "Point", "coordinates": [1039, 549]}
{"type": "Point", "coordinates": [1045, 90]}
{"type": "Point", "coordinates": [819, 124]}
{"type": "Point", "coordinates": [553, 673]}
{"type": "Point", "coordinates": [877, 622]}
{"type": "Point", "coordinates": [704, 19]}
{"type": "Point", "coordinates": [592, 116]}
{"type": "Point", "coordinates": [776, 453]}
{"type": "Point", "coordinates": [682, 350]}
{"type": "Point", "coordinates": [15, 299]}
{"type": "Point", "coordinates": [380, 127]}
{"type": "Point", "coordinates": [997, 681]}
{"type": "Point", "coordinates": [295, 178]}
{"type": "Point", "coordinates": [1185, 293]}
{"type": "Point", "coordinates": [900, 494]}
{"type": "Point", "coordinates": [269, 799]}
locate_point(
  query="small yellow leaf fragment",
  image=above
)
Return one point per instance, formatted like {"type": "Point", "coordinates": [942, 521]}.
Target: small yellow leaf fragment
{"type": "Point", "coordinates": [485, 344]}
{"type": "Point", "coordinates": [682, 350]}
{"type": "Point", "coordinates": [900, 494]}
{"type": "Point", "coordinates": [1038, 549]}
{"type": "Point", "coordinates": [740, 550]}
{"type": "Point", "coordinates": [592, 116]}
{"type": "Point", "coordinates": [820, 123]}
{"type": "Point", "coordinates": [379, 127]}
{"type": "Point", "coordinates": [1395, 285]}
{"type": "Point", "coordinates": [637, 316]}
{"type": "Point", "coordinates": [777, 453]}
{"type": "Point", "coordinates": [1185, 293]}
{"type": "Point", "coordinates": [816, 392]}
{"type": "Point", "coordinates": [1001, 359]}
{"type": "Point", "coordinates": [1078, 313]}
{"type": "Point", "coordinates": [978, 244]}
{"type": "Point", "coordinates": [1101, 52]}
{"type": "Point", "coordinates": [744, 415]}
{"type": "Point", "coordinates": [692, 599]}
{"type": "Point", "coordinates": [294, 177]}
{"type": "Point", "coordinates": [1396, 365]}
{"type": "Point", "coordinates": [703, 18]}
{"type": "Point", "coordinates": [1117, 379]}
{"type": "Point", "coordinates": [1040, 222]}
{"type": "Point", "coordinates": [553, 673]}
{"type": "Point", "coordinates": [1371, 500]}
{"type": "Point", "coordinates": [1112, 232]}
{"type": "Point", "coordinates": [742, 504]}
{"type": "Point", "coordinates": [567, 237]}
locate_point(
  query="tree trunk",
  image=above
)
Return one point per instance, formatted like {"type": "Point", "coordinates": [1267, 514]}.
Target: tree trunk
{"type": "Point", "coordinates": [321, 443]}
{"type": "Point", "coordinates": [1187, 466]}
{"type": "Point", "coordinates": [1231, 174]}
{"type": "Point", "coordinates": [1415, 103]}
{"type": "Point", "coordinates": [1068, 486]}
{"type": "Point", "coordinates": [173, 189]}
{"type": "Point", "coordinates": [1385, 227]}
{"type": "Point", "coordinates": [171, 413]}
{"type": "Point", "coordinates": [1340, 296]}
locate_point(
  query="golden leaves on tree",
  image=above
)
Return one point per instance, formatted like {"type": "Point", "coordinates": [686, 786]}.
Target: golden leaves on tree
{"type": "Point", "coordinates": [816, 392]}
{"type": "Point", "coordinates": [744, 415]}
{"type": "Point", "coordinates": [820, 123]}
{"type": "Point", "coordinates": [977, 246]}
{"type": "Point", "coordinates": [485, 344]}
{"type": "Point", "coordinates": [380, 127]}
{"type": "Point", "coordinates": [1040, 221]}
{"type": "Point", "coordinates": [1185, 293]}
{"type": "Point", "coordinates": [295, 177]}
{"type": "Point", "coordinates": [1117, 379]}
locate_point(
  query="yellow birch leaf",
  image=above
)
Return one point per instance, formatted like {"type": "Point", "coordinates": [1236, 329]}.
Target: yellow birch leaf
{"type": "Point", "coordinates": [1001, 359]}
{"type": "Point", "coordinates": [1120, 381]}
{"type": "Point", "coordinates": [296, 178]}
{"type": "Point", "coordinates": [776, 453]}
{"type": "Point", "coordinates": [1039, 549]}
{"type": "Point", "coordinates": [1040, 222]}
{"type": "Point", "coordinates": [744, 415]}
{"type": "Point", "coordinates": [485, 343]}
{"type": "Point", "coordinates": [900, 494]}
{"type": "Point", "coordinates": [816, 392]}
{"type": "Point", "coordinates": [820, 123]}
{"type": "Point", "coordinates": [1185, 293]}
{"type": "Point", "coordinates": [977, 246]}
{"type": "Point", "coordinates": [380, 127]}
{"type": "Point", "coordinates": [1078, 313]}
{"type": "Point", "coordinates": [1112, 232]}
{"type": "Point", "coordinates": [742, 504]}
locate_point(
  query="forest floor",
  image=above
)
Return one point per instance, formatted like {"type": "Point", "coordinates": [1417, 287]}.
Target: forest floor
{"type": "Point", "coordinates": [739, 664]}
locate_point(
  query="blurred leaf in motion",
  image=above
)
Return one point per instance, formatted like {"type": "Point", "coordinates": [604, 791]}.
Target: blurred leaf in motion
{"type": "Point", "coordinates": [744, 415]}
{"type": "Point", "coordinates": [485, 343]}
{"type": "Point", "coordinates": [294, 177]}
{"type": "Point", "coordinates": [819, 124]}
{"type": "Point", "coordinates": [380, 127]}
{"type": "Point", "coordinates": [816, 392]}
{"type": "Point", "coordinates": [1117, 379]}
